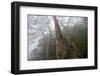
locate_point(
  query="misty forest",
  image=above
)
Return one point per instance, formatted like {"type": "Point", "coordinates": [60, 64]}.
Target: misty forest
{"type": "Point", "coordinates": [56, 37]}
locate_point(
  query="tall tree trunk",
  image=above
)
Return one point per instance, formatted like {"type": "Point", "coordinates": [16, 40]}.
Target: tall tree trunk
{"type": "Point", "coordinates": [59, 41]}
{"type": "Point", "coordinates": [68, 49]}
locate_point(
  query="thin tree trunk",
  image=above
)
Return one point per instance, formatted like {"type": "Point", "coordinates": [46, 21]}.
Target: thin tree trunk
{"type": "Point", "coordinates": [51, 47]}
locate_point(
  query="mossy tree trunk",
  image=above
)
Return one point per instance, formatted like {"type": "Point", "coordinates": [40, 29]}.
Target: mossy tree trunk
{"type": "Point", "coordinates": [59, 41]}
{"type": "Point", "coordinates": [65, 49]}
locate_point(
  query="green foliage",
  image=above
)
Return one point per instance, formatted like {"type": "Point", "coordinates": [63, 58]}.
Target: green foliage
{"type": "Point", "coordinates": [80, 35]}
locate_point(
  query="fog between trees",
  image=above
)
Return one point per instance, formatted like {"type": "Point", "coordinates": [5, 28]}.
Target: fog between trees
{"type": "Point", "coordinates": [56, 37]}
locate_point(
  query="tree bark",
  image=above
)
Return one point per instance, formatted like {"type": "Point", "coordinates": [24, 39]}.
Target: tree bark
{"type": "Point", "coordinates": [65, 49]}
{"type": "Point", "coordinates": [59, 41]}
